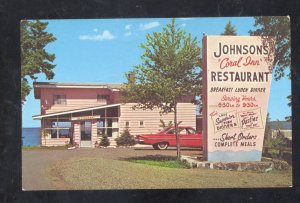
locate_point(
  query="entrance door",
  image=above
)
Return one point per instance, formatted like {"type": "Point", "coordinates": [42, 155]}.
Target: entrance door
{"type": "Point", "coordinates": [86, 134]}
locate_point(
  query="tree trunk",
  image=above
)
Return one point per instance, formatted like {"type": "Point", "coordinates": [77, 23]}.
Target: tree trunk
{"type": "Point", "coordinates": [176, 132]}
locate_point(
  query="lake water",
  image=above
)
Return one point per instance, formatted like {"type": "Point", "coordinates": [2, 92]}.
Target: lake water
{"type": "Point", "coordinates": [31, 136]}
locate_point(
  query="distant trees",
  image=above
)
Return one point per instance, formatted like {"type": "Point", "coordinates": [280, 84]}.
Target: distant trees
{"type": "Point", "coordinates": [34, 58]}
{"type": "Point", "coordinates": [229, 29]}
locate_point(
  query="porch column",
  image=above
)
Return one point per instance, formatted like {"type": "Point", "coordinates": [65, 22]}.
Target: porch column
{"type": "Point", "coordinates": [94, 132]}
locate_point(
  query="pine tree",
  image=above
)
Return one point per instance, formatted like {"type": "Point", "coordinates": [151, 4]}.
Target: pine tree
{"type": "Point", "coordinates": [268, 131]}
{"type": "Point", "coordinates": [104, 141]}
{"type": "Point", "coordinates": [229, 29]}
{"type": "Point", "coordinates": [34, 58]}
{"type": "Point", "coordinates": [125, 139]}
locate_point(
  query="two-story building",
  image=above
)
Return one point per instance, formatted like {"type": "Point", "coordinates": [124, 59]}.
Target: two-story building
{"type": "Point", "coordinates": [81, 113]}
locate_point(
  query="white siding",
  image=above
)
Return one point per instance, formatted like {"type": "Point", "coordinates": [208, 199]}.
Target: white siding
{"type": "Point", "coordinates": [151, 118]}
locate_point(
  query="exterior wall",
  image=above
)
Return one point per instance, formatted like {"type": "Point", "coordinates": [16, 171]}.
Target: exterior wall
{"type": "Point", "coordinates": [151, 118]}
{"type": "Point", "coordinates": [76, 133]}
{"type": "Point", "coordinates": [94, 133]}
{"type": "Point", "coordinates": [76, 98]}
{"type": "Point", "coordinates": [55, 141]}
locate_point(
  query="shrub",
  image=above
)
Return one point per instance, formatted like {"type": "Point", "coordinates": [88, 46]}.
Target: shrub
{"type": "Point", "coordinates": [126, 139]}
{"type": "Point", "coordinates": [104, 141]}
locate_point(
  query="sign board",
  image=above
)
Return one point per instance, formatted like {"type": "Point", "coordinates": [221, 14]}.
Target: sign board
{"type": "Point", "coordinates": [237, 73]}
{"type": "Point", "coordinates": [84, 118]}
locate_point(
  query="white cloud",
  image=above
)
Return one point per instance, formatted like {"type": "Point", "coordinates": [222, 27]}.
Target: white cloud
{"type": "Point", "coordinates": [183, 24]}
{"type": "Point", "coordinates": [127, 34]}
{"type": "Point", "coordinates": [106, 35]}
{"type": "Point", "coordinates": [128, 27]}
{"type": "Point", "coordinates": [185, 18]}
{"type": "Point", "coordinates": [149, 25]}
{"type": "Point", "coordinates": [95, 30]}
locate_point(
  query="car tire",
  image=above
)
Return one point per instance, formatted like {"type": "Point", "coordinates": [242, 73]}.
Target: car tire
{"type": "Point", "coordinates": [162, 145]}
{"type": "Point", "coordinates": [155, 146]}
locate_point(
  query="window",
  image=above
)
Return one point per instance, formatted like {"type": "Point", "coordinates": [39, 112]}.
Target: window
{"type": "Point", "coordinates": [141, 123]}
{"type": "Point", "coordinates": [60, 129]}
{"type": "Point", "coordinates": [127, 124]}
{"type": "Point", "coordinates": [59, 99]}
{"type": "Point", "coordinates": [101, 98]}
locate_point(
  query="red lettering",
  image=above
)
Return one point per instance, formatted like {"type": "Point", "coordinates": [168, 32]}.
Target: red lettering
{"type": "Point", "coordinates": [226, 63]}
{"type": "Point", "coordinates": [251, 62]}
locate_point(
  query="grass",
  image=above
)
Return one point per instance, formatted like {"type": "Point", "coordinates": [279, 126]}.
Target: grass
{"type": "Point", "coordinates": [44, 148]}
{"type": "Point", "coordinates": [116, 174]}
{"type": "Point", "coordinates": [166, 164]}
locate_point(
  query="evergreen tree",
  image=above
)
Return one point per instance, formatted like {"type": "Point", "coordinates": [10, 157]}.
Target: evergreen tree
{"type": "Point", "coordinates": [229, 29]}
{"type": "Point", "coordinates": [170, 70]}
{"type": "Point", "coordinates": [125, 139]}
{"type": "Point", "coordinates": [104, 141]}
{"type": "Point", "coordinates": [34, 58]}
{"type": "Point", "coordinates": [268, 131]}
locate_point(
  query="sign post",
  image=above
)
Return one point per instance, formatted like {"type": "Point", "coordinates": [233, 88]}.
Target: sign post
{"type": "Point", "coordinates": [237, 74]}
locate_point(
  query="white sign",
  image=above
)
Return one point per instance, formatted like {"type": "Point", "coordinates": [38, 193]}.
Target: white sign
{"type": "Point", "coordinates": [237, 73]}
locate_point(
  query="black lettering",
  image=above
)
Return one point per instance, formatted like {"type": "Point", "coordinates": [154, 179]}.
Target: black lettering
{"type": "Point", "coordinates": [213, 76]}
{"type": "Point", "coordinates": [245, 49]}
{"type": "Point", "coordinates": [261, 76]}
{"type": "Point", "coordinates": [249, 77]}
{"type": "Point", "coordinates": [219, 51]}
{"type": "Point", "coordinates": [266, 50]}
{"type": "Point", "coordinates": [219, 76]}
{"type": "Point", "coordinates": [254, 77]}
{"type": "Point", "coordinates": [238, 49]}
{"type": "Point", "coordinates": [225, 51]}
{"type": "Point", "coordinates": [225, 74]}
{"type": "Point", "coordinates": [259, 50]}
{"type": "Point", "coordinates": [232, 49]}
{"type": "Point", "coordinates": [252, 49]}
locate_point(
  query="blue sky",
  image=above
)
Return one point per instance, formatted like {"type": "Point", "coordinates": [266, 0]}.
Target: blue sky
{"type": "Point", "coordinates": [102, 50]}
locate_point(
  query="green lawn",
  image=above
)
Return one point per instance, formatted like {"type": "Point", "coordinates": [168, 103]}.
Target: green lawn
{"type": "Point", "coordinates": [167, 164]}
{"type": "Point", "coordinates": [44, 148]}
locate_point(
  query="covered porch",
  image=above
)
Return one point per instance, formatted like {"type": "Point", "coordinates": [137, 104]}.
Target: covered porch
{"type": "Point", "coordinates": [84, 127]}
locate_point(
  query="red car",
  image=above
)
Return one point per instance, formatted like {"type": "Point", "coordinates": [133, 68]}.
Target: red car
{"type": "Point", "coordinates": [167, 137]}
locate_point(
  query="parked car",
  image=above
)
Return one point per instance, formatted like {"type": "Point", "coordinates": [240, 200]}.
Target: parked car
{"type": "Point", "coordinates": [162, 140]}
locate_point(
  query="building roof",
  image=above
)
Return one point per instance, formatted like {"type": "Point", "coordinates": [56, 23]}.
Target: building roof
{"type": "Point", "coordinates": [38, 117]}
{"type": "Point", "coordinates": [287, 125]}
{"type": "Point", "coordinates": [38, 85]}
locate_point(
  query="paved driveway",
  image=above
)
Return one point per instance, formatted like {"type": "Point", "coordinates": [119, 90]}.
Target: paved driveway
{"type": "Point", "coordinates": [108, 169]}
{"type": "Point", "coordinates": [38, 165]}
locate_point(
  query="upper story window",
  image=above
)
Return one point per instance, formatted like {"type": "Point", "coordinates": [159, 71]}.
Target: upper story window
{"type": "Point", "coordinates": [101, 97]}
{"type": "Point", "coordinates": [59, 99]}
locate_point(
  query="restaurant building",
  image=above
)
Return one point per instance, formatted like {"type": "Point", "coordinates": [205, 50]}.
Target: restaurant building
{"type": "Point", "coordinates": [82, 113]}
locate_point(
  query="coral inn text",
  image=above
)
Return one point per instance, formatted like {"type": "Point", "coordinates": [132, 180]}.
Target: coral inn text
{"type": "Point", "coordinates": [82, 113]}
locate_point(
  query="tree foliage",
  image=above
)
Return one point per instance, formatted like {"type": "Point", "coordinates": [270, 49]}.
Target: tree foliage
{"type": "Point", "coordinates": [125, 139]}
{"type": "Point", "coordinates": [268, 130]}
{"type": "Point", "coordinates": [229, 29]}
{"type": "Point", "coordinates": [34, 58]}
{"type": "Point", "coordinates": [170, 70]}
{"type": "Point", "coordinates": [279, 27]}
{"type": "Point", "coordinates": [104, 141]}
